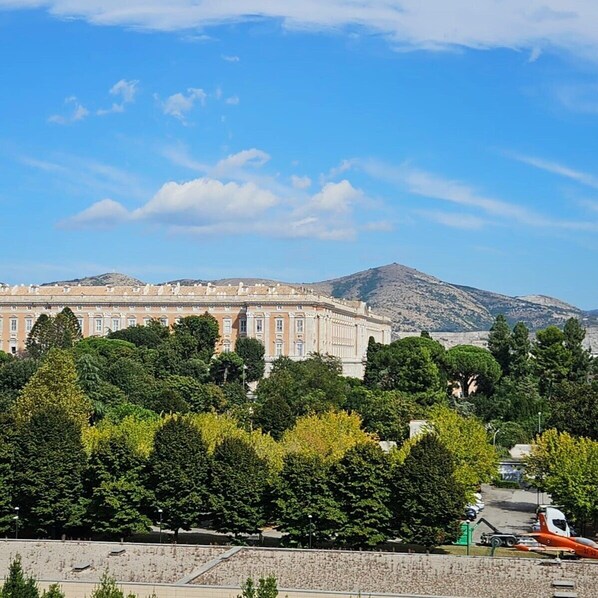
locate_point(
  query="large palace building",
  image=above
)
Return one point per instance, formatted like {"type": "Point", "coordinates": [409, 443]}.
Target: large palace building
{"type": "Point", "coordinates": [289, 321]}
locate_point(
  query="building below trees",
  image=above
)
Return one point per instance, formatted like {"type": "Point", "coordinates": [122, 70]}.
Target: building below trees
{"type": "Point", "coordinates": [289, 321]}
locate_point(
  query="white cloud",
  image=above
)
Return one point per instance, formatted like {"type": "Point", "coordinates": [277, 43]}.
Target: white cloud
{"type": "Point", "coordinates": [300, 182]}
{"type": "Point", "coordinates": [571, 25]}
{"type": "Point", "coordinates": [126, 90]}
{"type": "Point", "coordinates": [252, 157]}
{"type": "Point", "coordinates": [78, 113]}
{"type": "Point", "coordinates": [229, 58]}
{"type": "Point", "coordinates": [559, 169]}
{"type": "Point", "coordinates": [338, 198]}
{"type": "Point", "coordinates": [180, 104]}
{"type": "Point", "coordinates": [534, 54]}
{"type": "Point", "coordinates": [453, 220]}
{"type": "Point", "coordinates": [106, 213]}
{"type": "Point", "coordinates": [232, 101]}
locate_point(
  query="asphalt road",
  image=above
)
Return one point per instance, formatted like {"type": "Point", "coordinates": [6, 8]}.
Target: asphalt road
{"type": "Point", "coordinates": [508, 510]}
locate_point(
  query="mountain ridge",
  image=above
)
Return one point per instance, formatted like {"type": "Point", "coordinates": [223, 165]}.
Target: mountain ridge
{"type": "Point", "coordinates": [413, 300]}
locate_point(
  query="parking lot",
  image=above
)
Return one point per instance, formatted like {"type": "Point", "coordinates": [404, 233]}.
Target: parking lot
{"type": "Point", "coordinates": [508, 510]}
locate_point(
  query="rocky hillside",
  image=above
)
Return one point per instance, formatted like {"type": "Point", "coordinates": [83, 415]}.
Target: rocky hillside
{"type": "Point", "coordinates": [413, 300]}
{"type": "Point", "coordinates": [112, 278]}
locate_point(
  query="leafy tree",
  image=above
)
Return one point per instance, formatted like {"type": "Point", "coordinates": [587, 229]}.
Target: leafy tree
{"type": "Point", "coordinates": [266, 588]}
{"type": "Point", "coordinates": [304, 501]}
{"type": "Point", "coordinates": [107, 588]}
{"type": "Point", "coordinates": [197, 336]}
{"type": "Point", "coordinates": [567, 468]}
{"type": "Point", "coordinates": [149, 335]}
{"type": "Point", "coordinates": [133, 379]}
{"type": "Point", "coordinates": [55, 383]}
{"type": "Point", "coordinates": [385, 413]}
{"type": "Point", "coordinates": [499, 343]}
{"type": "Point", "coordinates": [473, 368]}
{"type": "Point", "coordinates": [412, 364]}
{"type": "Point", "coordinates": [118, 498]}
{"type": "Point", "coordinates": [427, 499]}
{"type": "Point", "coordinates": [208, 397]}
{"type": "Point", "coordinates": [474, 459]}
{"type": "Point", "coordinates": [574, 409]}
{"type": "Point", "coordinates": [251, 351]}
{"type": "Point", "coordinates": [329, 435]}
{"type": "Point", "coordinates": [16, 585]}
{"type": "Point", "coordinates": [552, 360]}
{"type": "Point", "coordinates": [108, 350]}
{"type": "Point", "coordinates": [275, 416]}
{"type": "Point", "coordinates": [226, 368]}
{"type": "Point", "coordinates": [178, 473]}
{"type": "Point", "coordinates": [573, 336]}
{"type": "Point", "coordinates": [6, 478]}
{"type": "Point", "coordinates": [53, 591]}
{"type": "Point", "coordinates": [49, 464]}
{"type": "Point", "coordinates": [14, 374]}
{"type": "Point", "coordinates": [65, 329]}
{"type": "Point", "coordinates": [195, 368]}
{"type": "Point", "coordinates": [361, 485]}
{"type": "Point", "coordinates": [238, 487]}
{"type": "Point", "coordinates": [521, 346]}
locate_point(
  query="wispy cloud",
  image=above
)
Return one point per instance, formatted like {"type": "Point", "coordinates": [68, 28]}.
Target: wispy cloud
{"type": "Point", "coordinates": [78, 113]}
{"type": "Point", "coordinates": [570, 25]}
{"type": "Point", "coordinates": [232, 101]}
{"type": "Point", "coordinates": [230, 58]}
{"type": "Point", "coordinates": [126, 91]}
{"type": "Point", "coordinates": [180, 104]}
{"type": "Point", "coordinates": [578, 176]}
{"type": "Point", "coordinates": [454, 220]}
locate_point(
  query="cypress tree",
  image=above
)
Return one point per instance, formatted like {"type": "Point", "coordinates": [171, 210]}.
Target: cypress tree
{"type": "Point", "coordinates": [499, 343]}
{"type": "Point", "coordinates": [16, 584]}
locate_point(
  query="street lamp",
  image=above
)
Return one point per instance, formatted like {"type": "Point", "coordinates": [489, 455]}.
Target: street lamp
{"type": "Point", "coordinates": [16, 518]}
{"type": "Point", "coordinates": [494, 436]}
{"type": "Point", "coordinates": [309, 517]}
{"type": "Point", "coordinates": [160, 514]}
{"type": "Point", "coordinates": [539, 422]}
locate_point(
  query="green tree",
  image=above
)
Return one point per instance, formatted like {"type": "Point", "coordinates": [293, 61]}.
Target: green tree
{"type": "Point", "coordinates": [361, 484]}
{"type": "Point", "coordinates": [499, 343]}
{"type": "Point", "coordinates": [14, 374]}
{"type": "Point", "coordinates": [427, 500]}
{"type": "Point", "coordinates": [573, 336]}
{"type": "Point", "coordinates": [304, 503]}
{"type": "Point", "coordinates": [39, 339]}
{"type": "Point", "coordinates": [55, 383]}
{"type": "Point", "coordinates": [197, 336]}
{"type": "Point", "coordinates": [128, 374]}
{"type": "Point", "coordinates": [473, 368]}
{"type": "Point", "coordinates": [150, 335]}
{"type": "Point", "coordinates": [521, 347]}
{"type": "Point", "coordinates": [6, 478]}
{"type": "Point", "coordinates": [107, 588]}
{"type": "Point", "coordinates": [552, 360]}
{"type": "Point", "coordinates": [118, 498]}
{"type": "Point", "coordinates": [49, 465]}
{"type": "Point", "coordinates": [65, 329]}
{"type": "Point", "coordinates": [226, 368]}
{"type": "Point", "coordinates": [251, 351]}
{"type": "Point", "coordinates": [275, 416]}
{"type": "Point", "coordinates": [574, 409]}
{"type": "Point", "coordinates": [238, 487]}
{"type": "Point", "coordinates": [53, 591]}
{"type": "Point", "coordinates": [178, 474]}
{"type": "Point", "coordinates": [16, 585]}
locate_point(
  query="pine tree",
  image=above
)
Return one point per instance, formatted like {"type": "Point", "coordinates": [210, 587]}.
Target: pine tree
{"type": "Point", "coordinates": [251, 351]}
{"type": "Point", "coordinates": [49, 465]}
{"type": "Point", "coordinates": [16, 585]}
{"type": "Point", "coordinates": [520, 366]}
{"type": "Point", "coordinates": [499, 343]}
{"type": "Point", "coordinates": [39, 339]}
{"type": "Point", "coordinates": [239, 482]}
{"type": "Point", "coordinates": [361, 484]}
{"type": "Point", "coordinates": [107, 588]}
{"type": "Point", "coordinates": [178, 474]}
{"type": "Point", "coordinates": [427, 501]}
{"type": "Point", "coordinates": [53, 591]}
{"type": "Point", "coordinates": [574, 335]}
{"type": "Point", "coordinates": [66, 330]}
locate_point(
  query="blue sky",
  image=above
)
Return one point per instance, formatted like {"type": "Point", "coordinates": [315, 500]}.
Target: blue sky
{"type": "Point", "coordinates": [308, 141]}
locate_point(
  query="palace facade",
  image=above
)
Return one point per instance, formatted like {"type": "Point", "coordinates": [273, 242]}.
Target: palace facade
{"type": "Point", "coordinates": [287, 320]}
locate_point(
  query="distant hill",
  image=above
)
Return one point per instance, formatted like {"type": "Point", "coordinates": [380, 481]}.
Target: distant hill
{"type": "Point", "coordinates": [413, 300]}
{"type": "Point", "coordinates": [111, 278]}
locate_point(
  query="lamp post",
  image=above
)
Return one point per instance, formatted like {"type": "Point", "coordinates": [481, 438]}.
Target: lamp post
{"type": "Point", "coordinates": [494, 436]}
{"type": "Point", "coordinates": [539, 422]}
{"type": "Point", "coordinates": [16, 518]}
{"type": "Point", "coordinates": [160, 515]}
{"type": "Point", "coordinates": [309, 517]}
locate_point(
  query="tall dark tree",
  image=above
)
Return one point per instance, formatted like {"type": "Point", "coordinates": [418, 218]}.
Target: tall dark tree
{"type": "Point", "coordinates": [226, 368]}
{"type": "Point", "coordinates": [499, 343]}
{"type": "Point", "coordinates": [6, 480]}
{"type": "Point", "coordinates": [197, 336]}
{"type": "Point", "coordinates": [274, 416]}
{"type": "Point", "coordinates": [251, 351]}
{"type": "Point", "coordinates": [178, 474]}
{"type": "Point", "coordinates": [66, 330]}
{"type": "Point", "coordinates": [361, 486]}
{"type": "Point", "coordinates": [39, 339]}
{"type": "Point", "coordinates": [49, 465]}
{"type": "Point", "coordinates": [427, 501]}
{"type": "Point", "coordinates": [552, 360]}
{"type": "Point", "coordinates": [117, 497]}
{"type": "Point", "coordinates": [574, 334]}
{"type": "Point", "coordinates": [521, 347]}
{"type": "Point", "coordinates": [574, 409]}
{"type": "Point", "coordinates": [305, 506]}
{"type": "Point", "coordinates": [238, 487]}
